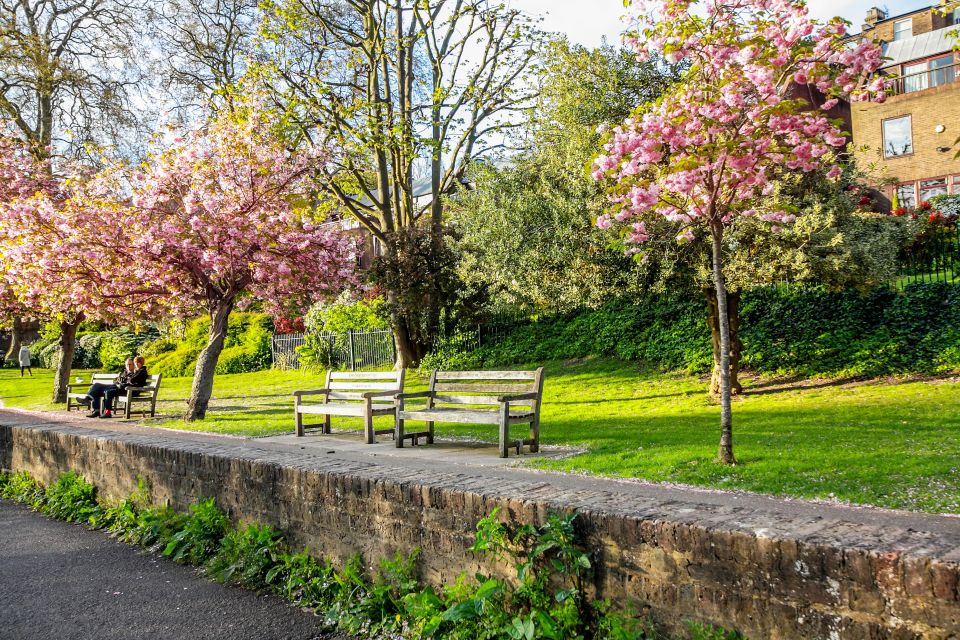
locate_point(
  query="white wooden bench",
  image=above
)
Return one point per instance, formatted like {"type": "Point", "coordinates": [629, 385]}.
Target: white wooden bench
{"type": "Point", "coordinates": [465, 397]}
{"type": "Point", "coordinates": [141, 395]}
{"type": "Point", "coordinates": [78, 400]}
{"type": "Point", "coordinates": [361, 394]}
{"type": "Point", "coordinates": [134, 395]}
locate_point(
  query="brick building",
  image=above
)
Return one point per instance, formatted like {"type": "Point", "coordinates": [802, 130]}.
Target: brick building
{"type": "Point", "coordinates": [910, 137]}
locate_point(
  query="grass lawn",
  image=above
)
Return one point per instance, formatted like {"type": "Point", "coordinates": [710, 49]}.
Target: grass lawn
{"type": "Point", "coordinates": [888, 443]}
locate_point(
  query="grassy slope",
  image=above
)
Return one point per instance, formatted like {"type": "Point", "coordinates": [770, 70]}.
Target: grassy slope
{"type": "Point", "coordinates": [888, 443]}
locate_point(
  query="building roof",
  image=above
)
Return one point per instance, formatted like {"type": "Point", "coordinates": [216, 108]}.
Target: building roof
{"type": "Point", "coordinates": [919, 46]}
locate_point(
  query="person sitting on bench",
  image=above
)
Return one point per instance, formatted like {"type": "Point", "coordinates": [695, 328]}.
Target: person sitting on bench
{"type": "Point", "coordinates": [102, 395]}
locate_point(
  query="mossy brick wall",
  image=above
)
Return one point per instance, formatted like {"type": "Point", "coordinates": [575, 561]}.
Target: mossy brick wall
{"type": "Point", "coordinates": [768, 575]}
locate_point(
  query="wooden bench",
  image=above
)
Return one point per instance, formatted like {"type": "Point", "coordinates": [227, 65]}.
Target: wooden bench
{"type": "Point", "coordinates": [78, 400]}
{"type": "Point", "coordinates": [464, 397]}
{"type": "Point", "coordinates": [141, 395]}
{"type": "Point", "coordinates": [134, 395]}
{"type": "Point", "coordinates": [364, 395]}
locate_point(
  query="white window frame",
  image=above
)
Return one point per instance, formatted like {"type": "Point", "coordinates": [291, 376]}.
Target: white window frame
{"type": "Point", "coordinates": [930, 187]}
{"type": "Point", "coordinates": [906, 185]}
{"type": "Point", "coordinates": [909, 29]}
{"type": "Point", "coordinates": [883, 137]}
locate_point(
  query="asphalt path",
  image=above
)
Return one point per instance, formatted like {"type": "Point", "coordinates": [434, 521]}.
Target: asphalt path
{"type": "Point", "coordinates": [60, 581]}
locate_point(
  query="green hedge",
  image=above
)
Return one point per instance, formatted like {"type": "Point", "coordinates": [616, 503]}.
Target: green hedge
{"type": "Point", "coordinates": [247, 347]}
{"type": "Point", "coordinates": [95, 350]}
{"type": "Point", "coordinates": [794, 330]}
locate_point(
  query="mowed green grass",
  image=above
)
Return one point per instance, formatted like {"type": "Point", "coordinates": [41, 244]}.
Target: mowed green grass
{"type": "Point", "coordinates": [891, 443]}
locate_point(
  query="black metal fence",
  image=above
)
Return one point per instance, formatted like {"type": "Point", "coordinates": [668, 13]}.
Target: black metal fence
{"type": "Point", "coordinates": [352, 350]}
{"type": "Point", "coordinates": [932, 257]}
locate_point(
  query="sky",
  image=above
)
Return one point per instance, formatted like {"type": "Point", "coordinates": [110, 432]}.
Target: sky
{"type": "Point", "coordinates": [588, 21]}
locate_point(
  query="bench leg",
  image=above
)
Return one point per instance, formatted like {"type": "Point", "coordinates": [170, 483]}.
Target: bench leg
{"type": "Point", "coordinates": [299, 419]}
{"type": "Point", "coordinates": [535, 434]}
{"type": "Point", "coordinates": [371, 437]}
{"type": "Point", "coordinates": [398, 433]}
{"type": "Point", "coordinates": [504, 430]}
{"type": "Point", "coordinates": [326, 424]}
{"type": "Point", "coordinates": [430, 433]}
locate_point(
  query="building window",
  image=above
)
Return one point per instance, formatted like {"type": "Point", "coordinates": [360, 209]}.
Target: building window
{"type": "Point", "coordinates": [932, 187]}
{"type": "Point", "coordinates": [897, 137]}
{"type": "Point", "coordinates": [956, 185]}
{"type": "Point", "coordinates": [902, 29]}
{"type": "Point", "coordinates": [915, 77]}
{"type": "Point", "coordinates": [929, 73]}
{"type": "Point", "coordinates": [907, 195]}
{"type": "Point", "coordinates": [953, 17]}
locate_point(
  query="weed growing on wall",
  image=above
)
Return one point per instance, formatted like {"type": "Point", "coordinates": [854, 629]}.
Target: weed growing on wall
{"type": "Point", "coordinates": [543, 599]}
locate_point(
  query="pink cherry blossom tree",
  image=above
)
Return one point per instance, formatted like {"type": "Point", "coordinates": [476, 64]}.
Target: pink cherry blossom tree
{"type": "Point", "coordinates": [56, 265]}
{"type": "Point", "coordinates": [223, 216]}
{"type": "Point", "coordinates": [704, 155]}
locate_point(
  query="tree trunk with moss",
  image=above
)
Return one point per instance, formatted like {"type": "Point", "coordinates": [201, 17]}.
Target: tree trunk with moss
{"type": "Point", "coordinates": [68, 345]}
{"type": "Point", "coordinates": [736, 346]}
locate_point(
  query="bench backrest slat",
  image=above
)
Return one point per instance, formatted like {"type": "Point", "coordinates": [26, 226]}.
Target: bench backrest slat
{"type": "Point", "coordinates": [350, 385]}
{"type": "Point", "coordinates": [482, 387]}
{"type": "Point", "coordinates": [487, 375]}
{"type": "Point", "coordinates": [389, 376]}
{"type": "Point", "coordinates": [362, 386]}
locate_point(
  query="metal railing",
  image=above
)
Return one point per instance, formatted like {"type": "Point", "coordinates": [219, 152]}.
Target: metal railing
{"type": "Point", "coordinates": [352, 350]}
{"type": "Point", "coordinates": [932, 257]}
{"type": "Point", "coordinates": [926, 79]}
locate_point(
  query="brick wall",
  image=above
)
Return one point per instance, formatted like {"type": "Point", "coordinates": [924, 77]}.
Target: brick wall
{"type": "Point", "coordinates": [928, 108]}
{"type": "Point", "coordinates": [769, 576]}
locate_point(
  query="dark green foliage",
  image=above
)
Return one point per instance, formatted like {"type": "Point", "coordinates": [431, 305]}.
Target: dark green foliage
{"type": "Point", "coordinates": [785, 330]}
{"type": "Point", "coordinates": [247, 556]}
{"type": "Point", "coordinates": [71, 498]}
{"type": "Point", "coordinates": [246, 348]}
{"type": "Point", "coordinates": [22, 488]}
{"type": "Point", "coordinates": [200, 536]}
{"type": "Point", "coordinates": [700, 631]}
{"type": "Point", "coordinates": [810, 332]}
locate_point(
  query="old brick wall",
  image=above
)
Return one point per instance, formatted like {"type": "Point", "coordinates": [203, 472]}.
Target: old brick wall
{"type": "Point", "coordinates": [928, 108]}
{"type": "Point", "coordinates": [734, 565]}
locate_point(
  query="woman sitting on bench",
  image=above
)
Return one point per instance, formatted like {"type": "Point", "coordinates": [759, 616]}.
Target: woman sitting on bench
{"type": "Point", "coordinates": [135, 375]}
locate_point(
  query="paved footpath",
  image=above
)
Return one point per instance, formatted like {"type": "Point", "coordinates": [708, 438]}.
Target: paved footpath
{"type": "Point", "coordinates": [61, 581]}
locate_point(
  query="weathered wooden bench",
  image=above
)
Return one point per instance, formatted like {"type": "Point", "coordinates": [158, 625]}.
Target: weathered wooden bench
{"type": "Point", "coordinates": [134, 395]}
{"type": "Point", "coordinates": [141, 395]}
{"type": "Point", "coordinates": [362, 395]}
{"type": "Point", "coordinates": [78, 400]}
{"type": "Point", "coordinates": [465, 397]}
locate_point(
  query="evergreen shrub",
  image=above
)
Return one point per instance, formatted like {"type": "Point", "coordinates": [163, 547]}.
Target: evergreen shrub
{"type": "Point", "coordinates": [803, 331]}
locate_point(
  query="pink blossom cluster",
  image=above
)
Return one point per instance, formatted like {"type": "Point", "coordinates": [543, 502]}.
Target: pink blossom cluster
{"type": "Point", "coordinates": [226, 212]}
{"type": "Point", "coordinates": [706, 153]}
{"type": "Point", "coordinates": [221, 214]}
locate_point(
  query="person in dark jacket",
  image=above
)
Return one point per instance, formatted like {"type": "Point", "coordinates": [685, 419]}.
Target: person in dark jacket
{"type": "Point", "coordinates": [136, 376]}
{"type": "Point", "coordinates": [97, 394]}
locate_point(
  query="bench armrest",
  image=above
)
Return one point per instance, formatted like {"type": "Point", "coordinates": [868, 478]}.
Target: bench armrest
{"type": "Point", "coordinates": [381, 394]}
{"type": "Point", "coordinates": [415, 394]}
{"type": "Point", "coordinates": [533, 395]}
{"type": "Point", "coordinates": [77, 384]}
{"type": "Point", "coordinates": [311, 392]}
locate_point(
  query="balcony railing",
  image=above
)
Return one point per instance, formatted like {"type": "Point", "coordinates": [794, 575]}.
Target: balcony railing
{"type": "Point", "coordinates": [926, 79]}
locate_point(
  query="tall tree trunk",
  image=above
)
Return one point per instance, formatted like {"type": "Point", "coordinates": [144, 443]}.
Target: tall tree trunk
{"type": "Point", "coordinates": [410, 350]}
{"type": "Point", "coordinates": [16, 339]}
{"type": "Point", "coordinates": [68, 344]}
{"type": "Point", "coordinates": [202, 387]}
{"type": "Point", "coordinates": [736, 346]}
{"type": "Point", "coordinates": [725, 455]}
